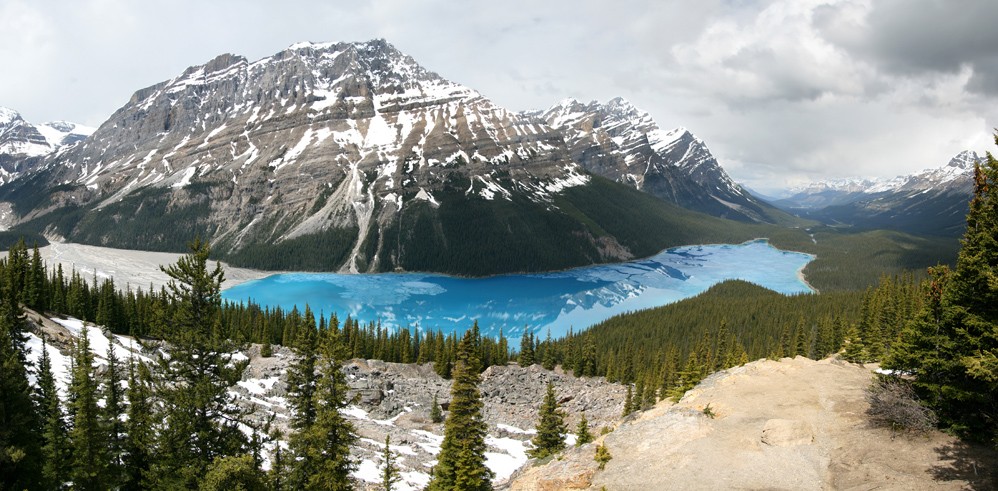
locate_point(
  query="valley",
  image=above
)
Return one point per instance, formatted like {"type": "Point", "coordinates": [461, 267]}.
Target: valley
{"type": "Point", "coordinates": [330, 264]}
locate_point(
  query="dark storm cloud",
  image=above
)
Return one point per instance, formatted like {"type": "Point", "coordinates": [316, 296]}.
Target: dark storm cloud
{"type": "Point", "coordinates": [912, 37]}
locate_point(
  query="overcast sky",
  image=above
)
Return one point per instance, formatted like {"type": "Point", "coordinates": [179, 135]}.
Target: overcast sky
{"type": "Point", "coordinates": [782, 91]}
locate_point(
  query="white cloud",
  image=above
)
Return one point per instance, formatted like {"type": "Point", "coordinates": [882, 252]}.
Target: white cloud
{"type": "Point", "coordinates": [780, 90]}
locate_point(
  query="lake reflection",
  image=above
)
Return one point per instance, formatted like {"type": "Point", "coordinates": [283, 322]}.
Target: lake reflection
{"type": "Point", "coordinates": [575, 298]}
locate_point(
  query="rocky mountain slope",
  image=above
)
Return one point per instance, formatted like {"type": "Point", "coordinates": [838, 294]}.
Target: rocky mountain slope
{"type": "Point", "coordinates": [623, 143]}
{"type": "Point", "coordinates": [22, 142]}
{"type": "Point", "coordinates": [793, 424]}
{"type": "Point", "coordinates": [933, 201]}
{"type": "Point", "coordinates": [353, 157]}
{"type": "Point", "coordinates": [391, 399]}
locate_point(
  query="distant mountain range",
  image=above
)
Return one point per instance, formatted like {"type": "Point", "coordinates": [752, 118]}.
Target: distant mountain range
{"type": "Point", "coordinates": [21, 140]}
{"type": "Point", "coordinates": [353, 157]}
{"type": "Point", "coordinates": [931, 202]}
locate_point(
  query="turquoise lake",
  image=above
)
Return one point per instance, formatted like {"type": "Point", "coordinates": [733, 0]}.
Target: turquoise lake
{"type": "Point", "coordinates": [576, 298]}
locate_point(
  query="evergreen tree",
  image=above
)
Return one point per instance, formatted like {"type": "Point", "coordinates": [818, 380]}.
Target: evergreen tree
{"type": "Point", "coordinates": [139, 437]}
{"type": "Point", "coordinates": [111, 417]}
{"type": "Point", "coordinates": [390, 472]}
{"type": "Point", "coordinates": [549, 358]}
{"type": "Point", "coordinates": [436, 415]}
{"type": "Point", "coordinates": [628, 403]}
{"type": "Point", "coordinates": [551, 428]}
{"type": "Point", "coordinates": [19, 423]}
{"type": "Point", "coordinates": [526, 357]}
{"type": "Point", "coordinates": [88, 435]}
{"type": "Point", "coordinates": [55, 450]}
{"type": "Point", "coordinates": [302, 384]}
{"type": "Point", "coordinates": [602, 456]}
{"type": "Point", "coordinates": [199, 415]}
{"type": "Point", "coordinates": [322, 449]}
{"type": "Point", "coordinates": [583, 436]}
{"type": "Point", "coordinates": [952, 346]}
{"type": "Point", "coordinates": [233, 472]}
{"type": "Point", "coordinates": [461, 461]}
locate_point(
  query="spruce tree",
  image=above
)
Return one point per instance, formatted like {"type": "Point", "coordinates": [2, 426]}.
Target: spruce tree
{"type": "Point", "coordinates": [461, 461]}
{"type": "Point", "coordinates": [111, 416]}
{"type": "Point", "coordinates": [88, 436]}
{"type": "Point", "coordinates": [602, 456]}
{"type": "Point", "coordinates": [952, 346]}
{"type": "Point", "coordinates": [551, 428]}
{"type": "Point", "coordinates": [322, 449]}
{"type": "Point", "coordinates": [139, 439]}
{"type": "Point", "coordinates": [390, 471]}
{"type": "Point", "coordinates": [436, 415]}
{"type": "Point", "coordinates": [55, 450]}
{"type": "Point", "coordinates": [628, 402]}
{"type": "Point", "coordinates": [582, 434]}
{"type": "Point", "coordinates": [549, 358]}
{"type": "Point", "coordinates": [526, 357]}
{"type": "Point", "coordinates": [199, 415]}
{"type": "Point", "coordinates": [19, 422]}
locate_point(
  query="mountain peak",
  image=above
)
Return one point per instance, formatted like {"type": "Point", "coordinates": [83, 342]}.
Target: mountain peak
{"type": "Point", "coordinates": [8, 115]}
{"type": "Point", "coordinates": [964, 160]}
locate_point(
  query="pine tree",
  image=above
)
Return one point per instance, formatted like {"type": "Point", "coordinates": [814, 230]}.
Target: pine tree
{"type": "Point", "coordinates": [139, 437]}
{"type": "Point", "coordinates": [55, 450]}
{"type": "Point", "coordinates": [549, 358]}
{"type": "Point", "coordinates": [461, 461]}
{"type": "Point", "coordinates": [551, 427]}
{"type": "Point", "coordinates": [602, 456]}
{"type": "Point", "coordinates": [583, 436]}
{"type": "Point", "coordinates": [526, 357]}
{"type": "Point", "coordinates": [199, 415]}
{"type": "Point", "coordinates": [628, 403]}
{"type": "Point", "coordinates": [88, 435]}
{"type": "Point", "coordinates": [111, 415]}
{"type": "Point", "coordinates": [436, 415]}
{"type": "Point", "coordinates": [952, 346]}
{"type": "Point", "coordinates": [233, 472]}
{"type": "Point", "coordinates": [19, 423]}
{"type": "Point", "coordinates": [322, 449]}
{"type": "Point", "coordinates": [390, 472]}
{"type": "Point", "coordinates": [302, 384]}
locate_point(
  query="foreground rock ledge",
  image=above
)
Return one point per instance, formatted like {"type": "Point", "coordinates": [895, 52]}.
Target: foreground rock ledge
{"type": "Point", "coordinates": [794, 424]}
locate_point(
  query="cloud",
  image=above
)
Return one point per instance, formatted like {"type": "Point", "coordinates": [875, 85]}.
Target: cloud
{"type": "Point", "coordinates": [916, 37]}
{"type": "Point", "coordinates": [779, 89]}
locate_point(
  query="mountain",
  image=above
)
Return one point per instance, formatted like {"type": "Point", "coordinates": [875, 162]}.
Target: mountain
{"type": "Point", "coordinates": [342, 156]}
{"type": "Point", "coordinates": [931, 202]}
{"type": "Point", "coordinates": [20, 141]}
{"type": "Point", "coordinates": [623, 143]}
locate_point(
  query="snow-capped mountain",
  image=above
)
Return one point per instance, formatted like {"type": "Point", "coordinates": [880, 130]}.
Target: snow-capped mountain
{"type": "Point", "coordinates": [21, 140]}
{"type": "Point", "coordinates": [933, 201]}
{"type": "Point", "coordinates": [624, 143]}
{"type": "Point", "coordinates": [357, 151]}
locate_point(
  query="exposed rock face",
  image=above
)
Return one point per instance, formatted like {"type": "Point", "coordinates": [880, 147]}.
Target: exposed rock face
{"type": "Point", "coordinates": [356, 152]}
{"type": "Point", "coordinates": [388, 399]}
{"type": "Point", "coordinates": [792, 424]}
{"type": "Point", "coordinates": [318, 136]}
{"type": "Point", "coordinates": [623, 143]}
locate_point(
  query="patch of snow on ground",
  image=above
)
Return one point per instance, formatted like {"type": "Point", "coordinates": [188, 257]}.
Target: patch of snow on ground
{"type": "Point", "coordinates": [513, 429]}
{"type": "Point", "coordinates": [432, 445]}
{"type": "Point", "coordinates": [355, 412]}
{"type": "Point", "coordinates": [505, 464]}
{"type": "Point", "coordinates": [367, 471]}
{"type": "Point", "coordinates": [60, 363]}
{"type": "Point", "coordinates": [258, 386]}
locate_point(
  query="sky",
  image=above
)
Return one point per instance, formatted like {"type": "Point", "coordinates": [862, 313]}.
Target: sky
{"type": "Point", "coordinates": [782, 91]}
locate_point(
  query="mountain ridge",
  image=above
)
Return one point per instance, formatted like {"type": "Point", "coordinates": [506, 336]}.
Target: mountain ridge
{"type": "Point", "coordinates": [933, 201]}
{"type": "Point", "coordinates": [357, 151]}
